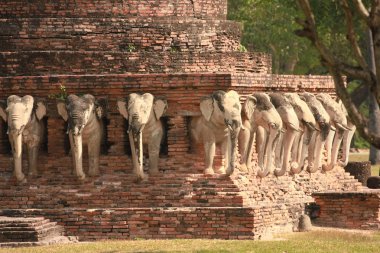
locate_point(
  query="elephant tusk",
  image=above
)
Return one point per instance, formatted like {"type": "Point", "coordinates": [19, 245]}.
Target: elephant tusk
{"type": "Point", "coordinates": [333, 128]}
{"type": "Point", "coordinates": [341, 126]}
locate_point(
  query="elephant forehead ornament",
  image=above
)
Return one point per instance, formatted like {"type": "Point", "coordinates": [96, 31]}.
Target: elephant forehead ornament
{"type": "Point", "coordinates": [220, 123]}
{"type": "Point", "coordinates": [85, 127]}
{"type": "Point", "coordinates": [24, 115]}
{"type": "Point", "coordinates": [143, 112]}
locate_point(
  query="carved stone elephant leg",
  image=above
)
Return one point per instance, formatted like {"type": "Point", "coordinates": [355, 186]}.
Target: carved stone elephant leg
{"type": "Point", "coordinates": [224, 148]}
{"type": "Point", "coordinates": [32, 159]}
{"type": "Point", "coordinates": [319, 144]}
{"type": "Point", "coordinates": [154, 151]}
{"type": "Point", "coordinates": [137, 155]}
{"type": "Point", "coordinates": [347, 137]}
{"type": "Point", "coordinates": [77, 154]}
{"type": "Point", "coordinates": [288, 140]}
{"type": "Point", "coordinates": [245, 146]}
{"type": "Point", "coordinates": [93, 156]}
{"type": "Point", "coordinates": [268, 157]}
{"type": "Point", "coordinates": [311, 152]}
{"type": "Point", "coordinates": [209, 156]}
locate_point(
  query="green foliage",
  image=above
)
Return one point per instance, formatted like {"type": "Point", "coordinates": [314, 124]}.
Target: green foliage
{"type": "Point", "coordinates": [131, 48]}
{"type": "Point", "coordinates": [242, 48]}
{"type": "Point", "coordinates": [61, 95]}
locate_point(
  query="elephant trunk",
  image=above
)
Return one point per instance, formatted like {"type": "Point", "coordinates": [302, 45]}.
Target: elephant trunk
{"type": "Point", "coordinates": [347, 137]}
{"type": "Point", "coordinates": [77, 155]}
{"type": "Point", "coordinates": [135, 139]}
{"type": "Point", "coordinates": [16, 141]}
{"type": "Point", "coordinates": [335, 149]}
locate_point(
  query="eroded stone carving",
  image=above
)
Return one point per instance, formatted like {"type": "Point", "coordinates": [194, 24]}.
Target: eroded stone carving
{"type": "Point", "coordinates": [323, 126]}
{"type": "Point", "coordinates": [260, 118]}
{"type": "Point", "coordinates": [347, 137]}
{"type": "Point", "coordinates": [85, 127]}
{"type": "Point", "coordinates": [339, 124]}
{"type": "Point", "coordinates": [24, 115]}
{"type": "Point", "coordinates": [307, 124]}
{"type": "Point", "coordinates": [143, 113]}
{"type": "Point", "coordinates": [284, 143]}
{"type": "Point", "coordinates": [220, 123]}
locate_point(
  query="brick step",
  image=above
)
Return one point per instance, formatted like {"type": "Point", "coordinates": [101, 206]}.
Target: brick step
{"type": "Point", "coordinates": [26, 229]}
{"type": "Point", "coordinates": [118, 34]}
{"type": "Point", "coordinates": [216, 9]}
{"type": "Point", "coordinates": [95, 62]}
{"type": "Point", "coordinates": [48, 241]}
{"type": "Point", "coordinates": [151, 223]}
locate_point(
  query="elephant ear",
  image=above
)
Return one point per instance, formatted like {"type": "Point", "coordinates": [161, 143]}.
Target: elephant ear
{"type": "Point", "coordinates": [40, 110]}
{"type": "Point", "coordinates": [3, 113]}
{"type": "Point", "coordinates": [122, 107]}
{"type": "Point", "coordinates": [62, 110]}
{"type": "Point", "coordinates": [100, 107]}
{"type": "Point", "coordinates": [207, 107]}
{"type": "Point", "coordinates": [159, 107]}
{"type": "Point", "coordinates": [249, 106]}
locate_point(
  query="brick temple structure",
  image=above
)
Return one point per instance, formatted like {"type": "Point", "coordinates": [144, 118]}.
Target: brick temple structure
{"type": "Point", "coordinates": [180, 49]}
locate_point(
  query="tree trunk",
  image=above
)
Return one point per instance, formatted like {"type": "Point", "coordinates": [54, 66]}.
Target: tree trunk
{"type": "Point", "coordinates": [374, 111]}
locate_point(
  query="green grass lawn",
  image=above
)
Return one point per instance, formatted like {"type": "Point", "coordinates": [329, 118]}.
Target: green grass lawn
{"type": "Point", "coordinates": [361, 157]}
{"type": "Point", "coordinates": [315, 241]}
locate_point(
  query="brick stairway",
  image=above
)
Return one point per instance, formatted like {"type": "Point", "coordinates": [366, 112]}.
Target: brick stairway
{"type": "Point", "coordinates": [19, 231]}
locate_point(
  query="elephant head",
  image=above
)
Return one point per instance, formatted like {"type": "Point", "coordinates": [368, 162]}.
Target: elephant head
{"type": "Point", "coordinates": [83, 115]}
{"type": "Point", "coordinates": [307, 126]}
{"type": "Point", "coordinates": [323, 128]}
{"type": "Point", "coordinates": [24, 116]}
{"type": "Point", "coordinates": [143, 113]}
{"type": "Point", "coordinates": [347, 137]}
{"type": "Point", "coordinates": [291, 127]}
{"type": "Point", "coordinates": [259, 113]}
{"type": "Point", "coordinates": [338, 121]}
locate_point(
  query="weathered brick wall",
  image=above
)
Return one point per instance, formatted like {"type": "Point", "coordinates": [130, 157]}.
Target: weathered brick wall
{"type": "Point", "coordinates": [354, 210]}
{"type": "Point", "coordinates": [119, 34]}
{"type": "Point", "coordinates": [213, 9]}
{"type": "Point", "coordinates": [60, 63]}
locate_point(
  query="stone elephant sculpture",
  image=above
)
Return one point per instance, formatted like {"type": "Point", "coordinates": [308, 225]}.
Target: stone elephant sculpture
{"type": "Point", "coordinates": [260, 118]}
{"type": "Point", "coordinates": [143, 113]}
{"type": "Point", "coordinates": [24, 116]}
{"type": "Point", "coordinates": [220, 123]}
{"type": "Point", "coordinates": [338, 121]}
{"type": "Point", "coordinates": [307, 122]}
{"type": "Point", "coordinates": [347, 137]}
{"type": "Point", "coordinates": [291, 127]}
{"type": "Point", "coordinates": [323, 129]}
{"type": "Point", "coordinates": [85, 127]}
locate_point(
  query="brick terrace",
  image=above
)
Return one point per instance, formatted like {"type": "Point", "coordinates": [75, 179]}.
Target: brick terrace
{"type": "Point", "coordinates": [180, 49]}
